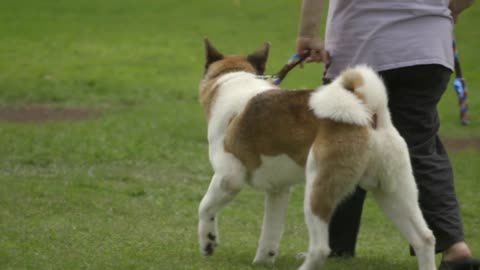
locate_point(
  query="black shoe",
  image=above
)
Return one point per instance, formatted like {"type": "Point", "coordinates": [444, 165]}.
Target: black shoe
{"type": "Point", "coordinates": [463, 264]}
{"type": "Point", "coordinates": [341, 254]}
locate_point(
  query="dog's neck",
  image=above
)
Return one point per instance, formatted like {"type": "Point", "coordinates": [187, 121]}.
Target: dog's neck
{"type": "Point", "coordinates": [216, 75]}
{"type": "Point", "coordinates": [236, 77]}
{"type": "Point", "coordinates": [234, 89]}
{"type": "Point", "coordinates": [212, 82]}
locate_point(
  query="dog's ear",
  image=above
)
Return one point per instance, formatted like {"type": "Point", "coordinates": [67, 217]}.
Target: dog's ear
{"type": "Point", "coordinates": [259, 58]}
{"type": "Point", "coordinates": [211, 53]}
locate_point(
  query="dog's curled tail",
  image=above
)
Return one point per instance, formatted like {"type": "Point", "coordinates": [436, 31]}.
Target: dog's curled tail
{"type": "Point", "coordinates": [357, 96]}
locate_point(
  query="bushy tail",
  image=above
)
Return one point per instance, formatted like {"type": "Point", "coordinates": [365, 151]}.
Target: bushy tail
{"type": "Point", "coordinates": [357, 96]}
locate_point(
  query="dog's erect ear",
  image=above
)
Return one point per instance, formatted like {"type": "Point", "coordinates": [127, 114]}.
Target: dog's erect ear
{"type": "Point", "coordinates": [211, 53]}
{"type": "Point", "coordinates": [259, 58]}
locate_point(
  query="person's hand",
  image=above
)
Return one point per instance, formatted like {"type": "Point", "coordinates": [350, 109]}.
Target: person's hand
{"type": "Point", "coordinates": [457, 6]}
{"type": "Point", "coordinates": [316, 47]}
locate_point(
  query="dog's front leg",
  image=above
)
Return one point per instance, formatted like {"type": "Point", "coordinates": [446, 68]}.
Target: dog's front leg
{"type": "Point", "coordinates": [276, 204]}
{"type": "Point", "coordinates": [221, 191]}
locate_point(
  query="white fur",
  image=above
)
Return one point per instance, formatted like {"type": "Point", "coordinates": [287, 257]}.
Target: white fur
{"type": "Point", "coordinates": [276, 204]}
{"type": "Point", "coordinates": [275, 176]}
{"type": "Point", "coordinates": [318, 248]}
{"type": "Point", "coordinates": [336, 103]}
{"type": "Point", "coordinates": [277, 173]}
{"type": "Point", "coordinates": [375, 94]}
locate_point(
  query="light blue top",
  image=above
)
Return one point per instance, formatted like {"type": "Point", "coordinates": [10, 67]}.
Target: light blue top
{"type": "Point", "coordinates": [388, 34]}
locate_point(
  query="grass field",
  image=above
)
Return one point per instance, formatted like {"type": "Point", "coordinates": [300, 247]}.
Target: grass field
{"type": "Point", "coordinates": [121, 190]}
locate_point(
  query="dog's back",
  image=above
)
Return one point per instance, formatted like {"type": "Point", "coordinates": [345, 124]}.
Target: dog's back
{"type": "Point", "coordinates": [335, 118]}
{"type": "Point", "coordinates": [273, 122]}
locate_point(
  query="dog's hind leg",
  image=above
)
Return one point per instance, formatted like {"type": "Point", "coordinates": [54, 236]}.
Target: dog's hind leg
{"type": "Point", "coordinates": [276, 204]}
{"type": "Point", "coordinates": [325, 187]}
{"type": "Point", "coordinates": [318, 249]}
{"type": "Point", "coordinates": [397, 195]}
{"type": "Point", "coordinates": [221, 191]}
{"type": "Point", "coordinates": [401, 206]}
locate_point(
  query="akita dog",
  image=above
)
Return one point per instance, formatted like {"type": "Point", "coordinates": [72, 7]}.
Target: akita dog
{"type": "Point", "coordinates": [336, 137]}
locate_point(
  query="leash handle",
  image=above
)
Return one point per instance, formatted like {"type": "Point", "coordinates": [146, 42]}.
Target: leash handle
{"type": "Point", "coordinates": [294, 61]}
{"type": "Point", "coordinates": [460, 87]}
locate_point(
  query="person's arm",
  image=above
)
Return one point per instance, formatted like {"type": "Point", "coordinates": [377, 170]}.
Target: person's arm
{"type": "Point", "coordinates": [457, 6]}
{"type": "Point", "coordinates": [310, 17]}
{"type": "Point", "coordinates": [308, 30]}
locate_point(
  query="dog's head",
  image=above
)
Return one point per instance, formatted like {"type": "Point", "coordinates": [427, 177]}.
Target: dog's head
{"type": "Point", "coordinates": [217, 64]}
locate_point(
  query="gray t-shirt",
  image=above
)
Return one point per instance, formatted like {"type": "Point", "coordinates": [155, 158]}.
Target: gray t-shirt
{"type": "Point", "coordinates": [388, 34]}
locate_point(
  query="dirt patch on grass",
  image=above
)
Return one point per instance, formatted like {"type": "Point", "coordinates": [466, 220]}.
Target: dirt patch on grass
{"type": "Point", "coordinates": [44, 113]}
{"type": "Point", "coordinates": [461, 144]}
{"type": "Point", "coordinates": [41, 113]}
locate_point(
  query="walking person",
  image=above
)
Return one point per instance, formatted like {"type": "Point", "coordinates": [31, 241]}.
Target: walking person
{"type": "Point", "coordinates": [409, 42]}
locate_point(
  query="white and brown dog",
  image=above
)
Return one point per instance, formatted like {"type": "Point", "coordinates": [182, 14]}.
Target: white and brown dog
{"type": "Point", "coordinates": [336, 137]}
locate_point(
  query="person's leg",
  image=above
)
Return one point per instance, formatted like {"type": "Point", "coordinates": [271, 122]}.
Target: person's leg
{"type": "Point", "coordinates": [345, 224]}
{"type": "Point", "coordinates": [414, 93]}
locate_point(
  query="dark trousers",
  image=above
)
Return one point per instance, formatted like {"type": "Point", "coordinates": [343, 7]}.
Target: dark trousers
{"type": "Point", "coordinates": [413, 93]}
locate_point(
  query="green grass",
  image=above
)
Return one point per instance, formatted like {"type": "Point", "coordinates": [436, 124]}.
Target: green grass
{"type": "Point", "coordinates": [121, 191]}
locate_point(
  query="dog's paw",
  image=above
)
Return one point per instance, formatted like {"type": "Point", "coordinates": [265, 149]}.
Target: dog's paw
{"type": "Point", "coordinates": [309, 266]}
{"type": "Point", "coordinates": [305, 267]}
{"type": "Point", "coordinates": [209, 244]}
{"type": "Point", "coordinates": [301, 255]}
{"type": "Point", "coordinates": [311, 262]}
{"type": "Point", "coordinates": [265, 257]}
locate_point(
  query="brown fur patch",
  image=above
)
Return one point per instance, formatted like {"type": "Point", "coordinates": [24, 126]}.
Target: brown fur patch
{"type": "Point", "coordinates": [352, 79]}
{"type": "Point", "coordinates": [340, 154]}
{"type": "Point", "coordinates": [207, 95]}
{"type": "Point", "coordinates": [273, 122]}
